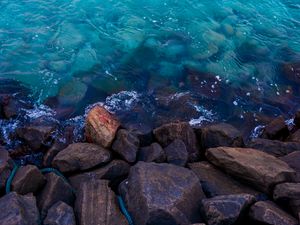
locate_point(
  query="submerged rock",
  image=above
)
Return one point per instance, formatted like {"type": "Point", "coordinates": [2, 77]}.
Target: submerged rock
{"type": "Point", "coordinates": [60, 214]}
{"type": "Point", "coordinates": [292, 71]}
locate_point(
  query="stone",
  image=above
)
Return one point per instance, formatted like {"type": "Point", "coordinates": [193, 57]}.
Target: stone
{"type": "Point", "coordinates": [11, 107]}
{"type": "Point", "coordinates": [60, 214]}
{"type": "Point", "coordinates": [274, 147]}
{"type": "Point", "coordinates": [276, 130]}
{"type": "Point", "coordinates": [55, 190]}
{"type": "Point", "coordinates": [222, 134]}
{"type": "Point", "coordinates": [152, 153]}
{"type": "Point", "coordinates": [176, 153]}
{"type": "Point", "coordinates": [81, 156]}
{"type": "Point", "coordinates": [269, 213]}
{"type": "Point", "coordinates": [97, 204]}
{"type": "Point", "coordinates": [163, 194]}
{"type": "Point", "coordinates": [297, 119]}
{"type": "Point", "coordinates": [294, 137]}
{"type": "Point", "coordinates": [101, 127]}
{"type": "Point", "coordinates": [126, 145]}
{"type": "Point", "coordinates": [214, 182]}
{"type": "Point", "coordinates": [293, 160]}
{"type": "Point", "coordinates": [288, 193]}
{"type": "Point", "coordinates": [259, 169]}
{"type": "Point", "coordinates": [28, 179]}
{"type": "Point", "coordinates": [292, 71]}
{"type": "Point", "coordinates": [167, 133]}
{"type": "Point", "coordinates": [6, 165]}
{"type": "Point", "coordinates": [226, 209]}
{"type": "Point", "coordinates": [18, 210]}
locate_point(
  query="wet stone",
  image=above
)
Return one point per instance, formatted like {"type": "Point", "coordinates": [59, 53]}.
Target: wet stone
{"type": "Point", "coordinates": [176, 153]}
{"type": "Point", "coordinates": [276, 130]}
{"type": "Point", "coordinates": [294, 137]}
{"type": "Point", "coordinates": [152, 153]}
{"type": "Point", "coordinates": [6, 165]}
{"type": "Point", "coordinates": [60, 214]}
{"type": "Point", "coordinates": [293, 160]}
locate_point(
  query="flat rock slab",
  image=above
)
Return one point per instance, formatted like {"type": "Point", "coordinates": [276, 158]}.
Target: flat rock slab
{"type": "Point", "coordinates": [80, 156]}
{"type": "Point", "coordinates": [6, 165]}
{"type": "Point", "coordinates": [18, 210]}
{"type": "Point", "coordinates": [60, 214]}
{"type": "Point", "coordinates": [269, 213]}
{"type": "Point", "coordinates": [158, 194]}
{"type": "Point", "coordinates": [261, 170]}
{"type": "Point", "coordinates": [226, 209]}
{"type": "Point", "coordinates": [293, 160]}
{"type": "Point", "coordinates": [96, 204]}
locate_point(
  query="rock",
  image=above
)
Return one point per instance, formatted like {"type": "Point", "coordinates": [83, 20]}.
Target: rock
{"type": "Point", "coordinates": [214, 182]}
{"type": "Point", "coordinates": [293, 160]}
{"type": "Point", "coordinates": [116, 169]}
{"type": "Point", "coordinates": [55, 190]}
{"type": "Point", "coordinates": [292, 71]}
{"type": "Point", "coordinates": [60, 214]}
{"type": "Point", "coordinates": [28, 179]}
{"type": "Point", "coordinates": [274, 147]}
{"type": "Point", "coordinates": [11, 107]}
{"type": "Point", "coordinates": [269, 213]}
{"type": "Point", "coordinates": [6, 165]}
{"type": "Point", "coordinates": [222, 134]}
{"type": "Point", "coordinates": [277, 129]}
{"type": "Point", "coordinates": [81, 156]}
{"type": "Point", "coordinates": [96, 204]}
{"type": "Point", "coordinates": [163, 193]}
{"type": "Point", "coordinates": [259, 169]}
{"type": "Point", "coordinates": [226, 209]}
{"type": "Point", "coordinates": [288, 193]}
{"type": "Point", "coordinates": [152, 153]}
{"type": "Point", "coordinates": [295, 137]}
{"type": "Point", "coordinates": [126, 145]}
{"type": "Point", "coordinates": [167, 133]}
{"type": "Point", "coordinates": [101, 126]}
{"type": "Point", "coordinates": [176, 153]}
{"type": "Point", "coordinates": [18, 210]}
{"type": "Point", "coordinates": [144, 134]}
{"type": "Point", "coordinates": [297, 119]}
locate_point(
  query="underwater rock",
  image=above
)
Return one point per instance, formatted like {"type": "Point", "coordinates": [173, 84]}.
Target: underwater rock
{"type": "Point", "coordinates": [72, 93]}
{"type": "Point", "coordinates": [292, 71]}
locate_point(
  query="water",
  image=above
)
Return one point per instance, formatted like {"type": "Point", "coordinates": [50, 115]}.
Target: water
{"type": "Point", "coordinates": [153, 61]}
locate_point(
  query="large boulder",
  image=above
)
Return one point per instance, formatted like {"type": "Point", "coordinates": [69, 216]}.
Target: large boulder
{"type": "Point", "coordinates": [276, 130]}
{"type": "Point", "coordinates": [6, 165]}
{"type": "Point", "coordinates": [152, 153]}
{"type": "Point", "coordinates": [18, 210]}
{"type": "Point", "coordinates": [261, 170]}
{"type": "Point", "coordinates": [101, 126]}
{"type": "Point", "coordinates": [214, 182]}
{"type": "Point", "coordinates": [81, 156]}
{"type": "Point", "coordinates": [159, 194]}
{"type": "Point", "coordinates": [176, 153]}
{"type": "Point", "coordinates": [60, 214]}
{"type": "Point", "coordinates": [226, 209]}
{"type": "Point", "coordinates": [167, 133]}
{"type": "Point", "coordinates": [269, 213]}
{"type": "Point", "coordinates": [97, 204]}
{"type": "Point", "coordinates": [293, 160]}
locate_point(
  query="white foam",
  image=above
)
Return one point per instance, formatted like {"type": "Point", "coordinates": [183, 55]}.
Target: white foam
{"type": "Point", "coordinates": [207, 116]}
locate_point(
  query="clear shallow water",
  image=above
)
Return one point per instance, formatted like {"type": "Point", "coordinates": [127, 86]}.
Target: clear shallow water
{"type": "Point", "coordinates": [195, 60]}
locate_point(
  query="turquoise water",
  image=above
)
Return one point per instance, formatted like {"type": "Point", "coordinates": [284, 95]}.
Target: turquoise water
{"type": "Point", "coordinates": [223, 54]}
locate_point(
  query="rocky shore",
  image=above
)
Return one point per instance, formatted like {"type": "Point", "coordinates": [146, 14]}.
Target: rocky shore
{"type": "Point", "coordinates": [173, 175]}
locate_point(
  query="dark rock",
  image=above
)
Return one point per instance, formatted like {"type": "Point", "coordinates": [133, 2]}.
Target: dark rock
{"type": "Point", "coordinates": [163, 194]}
{"type": "Point", "coordinates": [226, 209]}
{"type": "Point", "coordinates": [292, 71]}
{"type": "Point", "coordinates": [274, 147]}
{"type": "Point", "coordinates": [28, 179]}
{"type": "Point", "coordinates": [144, 134]}
{"type": "Point", "coordinates": [55, 190]}
{"type": "Point", "coordinates": [97, 204]}
{"type": "Point", "coordinates": [277, 129]}
{"type": "Point", "coordinates": [167, 133]}
{"type": "Point", "coordinates": [176, 153]}
{"type": "Point", "coordinates": [297, 119]}
{"type": "Point", "coordinates": [11, 107]}
{"type": "Point", "coordinates": [60, 214]}
{"type": "Point", "coordinates": [295, 137]}
{"type": "Point", "coordinates": [152, 153]}
{"type": "Point", "coordinates": [269, 213]}
{"type": "Point", "coordinates": [18, 210]}
{"type": "Point", "coordinates": [293, 160]}
{"type": "Point", "coordinates": [259, 169]}
{"type": "Point", "coordinates": [126, 145]}
{"type": "Point", "coordinates": [6, 165]}
{"type": "Point", "coordinates": [101, 126]}
{"type": "Point", "coordinates": [222, 134]}
{"type": "Point", "coordinates": [215, 182]}
{"type": "Point", "coordinates": [81, 156]}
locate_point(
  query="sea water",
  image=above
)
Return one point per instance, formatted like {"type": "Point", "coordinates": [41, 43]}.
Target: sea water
{"type": "Point", "coordinates": [197, 60]}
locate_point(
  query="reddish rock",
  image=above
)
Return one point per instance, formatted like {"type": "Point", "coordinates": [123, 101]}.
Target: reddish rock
{"type": "Point", "coordinates": [152, 153]}
{"type": "Point", "coordinates": [294, 137]}
{"type": "Point", "coordinates": [101, 126]}
{"type": "Point", "coordinates": [277, 129]}
{"type": "Point", "coordinates": [6, 165]}
{"type": "Point", "coordinates": [293, 160]}
{"type": "Point", "coordinates": [176, 153]}
{"type": "Point", "coordinates": [60, 214]}
{"type": "Point", "coordinates": [292, 71]}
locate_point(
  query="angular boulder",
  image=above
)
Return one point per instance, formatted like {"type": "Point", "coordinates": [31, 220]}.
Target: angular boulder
{"type": "Point", "coordinates": [80, 156]}
{"type": "Point", "coordinates": [60, 214]}
{"type": "Point", "coordinates": [261, 170]}
{"type": "Point", "coordinates": [293, 160]}
{"type": "Point", "coordinates": [152, 153]}
{"type": "Point", "coordinates": [6, 165]}
{"type": "Point", "coordinates": [276, 130]}
{"type": "Point", "coordinates": [101, 126]}
{"type": "Point", "coordinates": [176, 153]}
{"type": "Point", "coordinates": [158, 194]}
{"type": "Point", "coordinates": [226, 209]}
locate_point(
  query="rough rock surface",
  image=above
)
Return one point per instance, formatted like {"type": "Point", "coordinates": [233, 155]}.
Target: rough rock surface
{"type": "Point", "coordinates": [226, 209]}
{"type": "Point", "coordinates": [81, 156]}
{"type": "Point", "coordinates": [176, 153]}
{"type": "Point", "coordinates": [6, 165]}
{"type": "Point", "coordinates": [163, 193]}
{"type": "Point", "coordinates": [101, 126]}
{"type": "Point", "coordinates": [60, 214]}
{"type": "Point", "coordinates": [261, 170]}
{"type": "Point", "coordinates": [295, 137]}
{"type": "Point", "coordinates": [152, 153]}
{"type": "Point", "coordinates": [293, 160]}
{"type": "Point", "coordinates": [276, 130]}
{"type": "Point", "coordinates": [18, 210]}
{"type": "Point", "coordinates": [96, 204]}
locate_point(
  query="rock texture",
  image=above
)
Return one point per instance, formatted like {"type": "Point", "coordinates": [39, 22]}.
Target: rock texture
{"type": "Point", "coordinates": [293, 160]}
{"type": "Point", "coordinates": [163, 193]}
{"type": "Point", "coordinates": [295, 137]}
{"type": "Point", "coordinates": [152, 153]}
{"type": "Point", "coordinates": [6, 165]}
{"type": "Point", "coordinates": [81, 156]}
{"type": "Point", "coordinates": [101, 126]}
{"type": "Point", "coordinates": [60, 214]}
{"type": "Point", "coordinates": [176, 153]}
{"type": "Point", "coordinates": [276, 130]}
{"type": "Point", "coordinates": [259, 169]}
